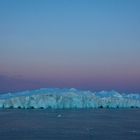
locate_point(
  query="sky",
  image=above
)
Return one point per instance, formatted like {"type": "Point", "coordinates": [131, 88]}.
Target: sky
{"type": "Point", "coordinates": [84, 44]}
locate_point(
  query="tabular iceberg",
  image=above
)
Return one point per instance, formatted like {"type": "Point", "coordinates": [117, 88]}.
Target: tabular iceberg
{"type": "Point", "coordinates": [68, 98]}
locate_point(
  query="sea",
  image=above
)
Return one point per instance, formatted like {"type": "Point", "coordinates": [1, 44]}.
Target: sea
{"type": "Point", "coordinates": [70, 124]}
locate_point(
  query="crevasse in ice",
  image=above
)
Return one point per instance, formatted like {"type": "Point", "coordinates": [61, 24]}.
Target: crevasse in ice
{"type": "Point", "coordinates": [68, 98]}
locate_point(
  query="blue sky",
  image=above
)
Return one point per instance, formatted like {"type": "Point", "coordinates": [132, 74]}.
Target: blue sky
{"type": "Point", "coordinates": [86, 44]}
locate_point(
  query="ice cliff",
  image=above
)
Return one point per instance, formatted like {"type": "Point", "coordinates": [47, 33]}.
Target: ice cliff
{"type": "Point", "coordinates": [68, 98]}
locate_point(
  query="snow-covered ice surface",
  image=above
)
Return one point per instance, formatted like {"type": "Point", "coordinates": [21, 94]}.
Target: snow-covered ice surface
{"type": "Point", "coordinates": [68, 98]}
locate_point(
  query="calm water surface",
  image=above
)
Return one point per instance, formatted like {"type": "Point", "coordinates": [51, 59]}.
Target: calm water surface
{"type": "Point", "coordinates": [90, 124]}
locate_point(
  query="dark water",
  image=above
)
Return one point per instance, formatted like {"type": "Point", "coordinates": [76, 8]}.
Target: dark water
{"type": "Point", "coordinates": [97, 124]}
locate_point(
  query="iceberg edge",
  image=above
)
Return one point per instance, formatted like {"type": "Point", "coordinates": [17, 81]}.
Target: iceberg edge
{"type": "Point", "coordinates": [68, 98]}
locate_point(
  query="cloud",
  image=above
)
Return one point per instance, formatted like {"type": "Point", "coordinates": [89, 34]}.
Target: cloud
{"type": "Point", "coordinates": [11, 84]}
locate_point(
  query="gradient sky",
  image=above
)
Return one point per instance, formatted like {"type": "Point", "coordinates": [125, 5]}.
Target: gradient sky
{"type": "Point", "coordinates": [86, 44]}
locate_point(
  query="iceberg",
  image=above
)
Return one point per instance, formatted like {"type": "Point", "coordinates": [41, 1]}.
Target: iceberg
{"type": "Point", "coordinates": [68, 98]}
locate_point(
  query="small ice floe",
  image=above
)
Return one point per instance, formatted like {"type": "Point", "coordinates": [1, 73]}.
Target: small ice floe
{"type": "Point", "coordinates": [59, 115]}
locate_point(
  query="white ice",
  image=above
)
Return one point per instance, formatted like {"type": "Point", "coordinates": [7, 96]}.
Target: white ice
{"type": "Point", "coordinates": [68, 98]}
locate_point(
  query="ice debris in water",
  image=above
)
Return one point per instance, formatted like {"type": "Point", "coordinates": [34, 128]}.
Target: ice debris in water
{"type": "Point", "coordinates": [59, 115]}
{"type": "Point", "coordinates": [68, 98]}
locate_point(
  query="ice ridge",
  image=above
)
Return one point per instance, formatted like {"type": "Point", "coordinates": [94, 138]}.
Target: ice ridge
{"type": "Point", "coordinates": [68, 98]}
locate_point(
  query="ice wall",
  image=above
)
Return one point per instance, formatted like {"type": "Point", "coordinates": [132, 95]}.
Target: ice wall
{"type": "Point", "coordinates": [68, 98]}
